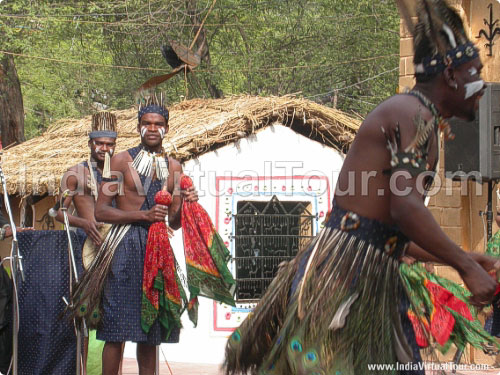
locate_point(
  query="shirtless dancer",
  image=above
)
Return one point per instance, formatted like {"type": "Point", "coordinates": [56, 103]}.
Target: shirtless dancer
{"type": "Point", "coordinates": [134, 195]}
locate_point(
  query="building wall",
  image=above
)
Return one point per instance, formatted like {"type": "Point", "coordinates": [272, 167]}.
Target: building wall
{"type": "Point", "coordinates": [457, 210]}
{"type": "Point", "coordinates": [241, 171]}
{"type": "Point", "coordinates": [479, 12]}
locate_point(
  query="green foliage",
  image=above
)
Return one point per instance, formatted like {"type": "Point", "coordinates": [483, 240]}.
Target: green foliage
{"type": "Point", "coordinates": [342, 51]}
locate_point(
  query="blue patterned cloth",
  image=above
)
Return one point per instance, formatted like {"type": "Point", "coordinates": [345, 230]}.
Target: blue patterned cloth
{"type": "Point", "coordinates": [5, 320]}
{"type": "Point", "coordinates": [153, 108]}
{"type": "Point", "coordinates": [47, 343]}
{"type": "Point", "coordinates": [492, 324]}
{"type": "Point", "coordinates": [122, 297]}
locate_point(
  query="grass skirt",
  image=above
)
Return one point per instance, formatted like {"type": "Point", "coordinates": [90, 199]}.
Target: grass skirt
{"type": "Point", "coordinates": [334, 309]}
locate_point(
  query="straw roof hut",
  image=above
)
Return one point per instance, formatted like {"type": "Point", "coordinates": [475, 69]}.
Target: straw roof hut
{"type": "Point", "coordinates": [196, 127]}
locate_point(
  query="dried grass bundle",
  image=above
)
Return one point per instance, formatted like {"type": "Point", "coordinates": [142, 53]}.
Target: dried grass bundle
{"type": "Point", "coordinates": [196, 126]}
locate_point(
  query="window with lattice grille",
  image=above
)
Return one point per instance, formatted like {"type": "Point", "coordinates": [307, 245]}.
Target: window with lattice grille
{"type": "Point", "coordinates": [266, 234]}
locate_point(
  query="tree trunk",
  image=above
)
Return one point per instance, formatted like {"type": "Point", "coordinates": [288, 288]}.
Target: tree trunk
{"type": "Point", "coordinates": [11, 103]}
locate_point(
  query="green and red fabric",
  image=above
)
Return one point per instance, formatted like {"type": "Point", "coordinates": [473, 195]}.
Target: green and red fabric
{"type": "Point", "coordinates": [206, 256]}
{"type": "Point", "coordinates": [440, 310]}
{"type": "Point", "coordinates": [493, 247]}
{"type": "Point", "coordinates": [163, 297]}
{"type": "Point", "coordinates": [442, 322]}
{"type": "Point", "coordinates": [420, 327]}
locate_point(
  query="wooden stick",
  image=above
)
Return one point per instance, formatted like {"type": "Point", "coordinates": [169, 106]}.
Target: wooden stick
{"type": "Point", "coordinates": [201, 26]}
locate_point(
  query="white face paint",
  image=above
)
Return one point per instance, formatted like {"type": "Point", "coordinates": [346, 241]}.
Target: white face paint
{"type": "Point", "coordinates": [162, 132]}
{"type": "Point", "coordinates": [472, 71]}
{"type": "Point", "coordinates": [97, 148]}
{"type": "Point", "coordinates": [473, 88]}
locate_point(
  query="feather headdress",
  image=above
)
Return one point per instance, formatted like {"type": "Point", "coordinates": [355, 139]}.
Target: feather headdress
{"type": "Point", "coordinates": [439, 37]}
{"type": "Point", "coordinates": [153, 103]}
{"type": "Point", "coordinates": [148, 163]}
{"type": "Point", "coordinates": [103, 125]}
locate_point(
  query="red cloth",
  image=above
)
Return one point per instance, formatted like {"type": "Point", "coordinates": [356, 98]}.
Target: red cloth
{"type": "Point", "coordinates": [206, 256]}
{"type": "Point", "coordinates": [442, 321]}
{"type": "Point", "coordinates": [418, 329]}
{"type": "Point", "coordinates": [161, 293]}
{"type": "Point", "coordinates": [198, 234]}
{"type": "Point", "coordinates": [445, 297]}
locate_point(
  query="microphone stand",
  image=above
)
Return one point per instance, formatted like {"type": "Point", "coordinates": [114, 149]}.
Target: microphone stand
{"type": "Point", "coordinates": [79, 329]}
{"type": "Point", "coordinates": [16, 267]}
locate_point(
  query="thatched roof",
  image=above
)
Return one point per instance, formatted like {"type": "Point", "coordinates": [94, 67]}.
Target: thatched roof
{"type": "Point", "coordinates": [196, 126]}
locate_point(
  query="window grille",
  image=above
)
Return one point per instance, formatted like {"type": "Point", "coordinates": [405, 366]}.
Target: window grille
{"type": "Point", "coordinates": [266, 234]}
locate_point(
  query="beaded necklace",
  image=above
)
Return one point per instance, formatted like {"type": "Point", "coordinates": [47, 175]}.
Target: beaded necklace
{"type": "Point", "coordinates": [439, 122]}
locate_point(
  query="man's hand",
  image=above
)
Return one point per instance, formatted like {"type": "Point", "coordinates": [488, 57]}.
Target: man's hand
{"type": "Point", "coordinates": [190, 194]}
{"type": "Point", "coordinates": [489, 263]}
{"type": "Point", "coordinates": [92, 231]}
{"type": "Point", "coordinates": [481, 285]}
{"type": "Point", "coordinates": [8, 230]}
{"type": "Point", "coordinates": [26, 229]}
{"type": "Point", "coordinates": [157, 213]}
{"type": "Point", "coordinates": [408, 260]}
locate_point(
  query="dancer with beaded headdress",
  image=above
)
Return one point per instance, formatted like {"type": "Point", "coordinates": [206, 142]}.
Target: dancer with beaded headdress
{"type": "Point", "coordinates": [341, 307]}
{"type": "Point", "coordinates": [83, 181]}
{"type": "Point", "coordinates": [110, 294]}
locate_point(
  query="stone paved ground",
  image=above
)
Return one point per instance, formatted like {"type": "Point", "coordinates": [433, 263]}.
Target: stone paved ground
{"type": "Point", "coordinates": [469, 371]}
{"type": "Point", "coordinates": [130, 368]}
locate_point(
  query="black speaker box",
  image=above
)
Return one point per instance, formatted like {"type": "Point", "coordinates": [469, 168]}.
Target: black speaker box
{"type": "Point", "coordinates": [475, 151]}
{"type": "Point", "coordinates": [461, 154]}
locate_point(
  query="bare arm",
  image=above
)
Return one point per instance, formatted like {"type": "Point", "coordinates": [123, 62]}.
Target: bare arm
{"type": "Point", "coordinates": [415, 220]}
{"type": "Point", "coordinates": [487, 262]}
{"type": "Point", "coordinates": [104, 210]}
{"type": "Point", "coordinates": [108, 190]}
{"type": "Point", "coordinates": [178, 196]}
{"type": "Point", "coordinates": [408, 212]}
{"type": "Point", "coordinates": [70, 182]}
{"type": "Point", "coordinates": [73, 180]}
{"type": "Point", "coordinates": [421, 255]}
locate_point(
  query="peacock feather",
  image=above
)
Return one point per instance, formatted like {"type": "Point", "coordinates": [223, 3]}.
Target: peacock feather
{"type": "Point", "coordinates": [345, 286]}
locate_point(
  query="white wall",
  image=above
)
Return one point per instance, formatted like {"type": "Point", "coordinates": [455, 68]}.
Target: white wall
{"type": "Point", "coordinates": [242, 171]}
